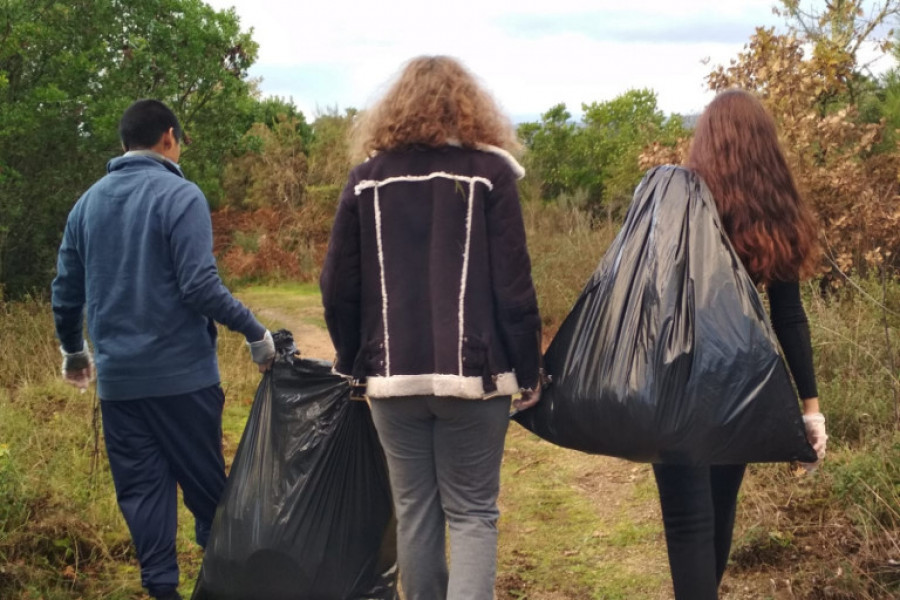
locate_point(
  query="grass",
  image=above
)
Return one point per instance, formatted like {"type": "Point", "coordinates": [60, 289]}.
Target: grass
{"type": "Point", "coordinates": [63, 537]}
{"type": "Point", "coordinates": [574, 526]}
{"type": "Point", "coordinates": [835, 534]}
{"type": "Point", "coordinates": [61, 533]}
{"type": "Point", "coordinates": [282, 295]}
{"type": "Point", "coordinates": [565, 249]}
{"type": "Point", "coordinates": [563, 534]}
{"type": "Point", "coordinates": [286, 304]}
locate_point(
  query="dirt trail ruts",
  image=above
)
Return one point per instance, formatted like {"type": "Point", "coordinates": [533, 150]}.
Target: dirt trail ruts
{"type": "Point", "coordinates": [311, 340]}
{"type": "Point", "coordinates": [611, 484]}
{"type": "Point", "coordinates": [608, 482]}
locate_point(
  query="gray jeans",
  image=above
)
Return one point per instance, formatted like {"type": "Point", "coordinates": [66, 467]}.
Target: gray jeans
{"type": "Point", "coordinates": [444, 459]}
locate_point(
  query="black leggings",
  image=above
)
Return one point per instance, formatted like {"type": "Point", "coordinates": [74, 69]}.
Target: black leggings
{"type": "Point", "coordinates": [698, 506]}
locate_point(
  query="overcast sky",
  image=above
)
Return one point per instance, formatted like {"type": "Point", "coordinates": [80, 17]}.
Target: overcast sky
{"type": "Point", "coordinates": [531, 54]}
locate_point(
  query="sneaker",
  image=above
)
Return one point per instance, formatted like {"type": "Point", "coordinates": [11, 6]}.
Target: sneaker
{"type": "Point", "coordinates": [173, 595]}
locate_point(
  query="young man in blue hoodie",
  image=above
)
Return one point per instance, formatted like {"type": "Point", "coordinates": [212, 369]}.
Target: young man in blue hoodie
{"type": "Point", "coordinates": [137, 255]}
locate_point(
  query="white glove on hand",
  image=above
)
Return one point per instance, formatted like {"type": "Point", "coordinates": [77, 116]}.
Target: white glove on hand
{"type": "Point", "coordinates": [78, 367]}
{"type": "Point", "coordinates": [815, 434]}
{"type": "Point", "coordinates": [263, 351]}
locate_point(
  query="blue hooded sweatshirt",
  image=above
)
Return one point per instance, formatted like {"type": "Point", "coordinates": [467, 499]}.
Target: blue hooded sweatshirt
{"type": "Point", "coordinates": [137, 254]}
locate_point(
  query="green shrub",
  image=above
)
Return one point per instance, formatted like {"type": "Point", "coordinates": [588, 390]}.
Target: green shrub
{"type": "Point", "coordinates": [565, 247]}
{"type": "Point", "coordinates": [856, 359]}
{"type": "Point", "coordinates": [868, 483]}
{"type": "Point", "coordinates": [13, 500]}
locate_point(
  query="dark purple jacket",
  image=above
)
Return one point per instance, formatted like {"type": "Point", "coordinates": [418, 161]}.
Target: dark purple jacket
{"type": "Point", "coordinates": [427, 282]}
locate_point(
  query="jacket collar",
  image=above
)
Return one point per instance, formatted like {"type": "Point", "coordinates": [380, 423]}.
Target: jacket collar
{"type": "Point", "coordinates": [518, 170]}
{"type": "Point", "coordinates": [516, 167]}
{"type": "Point", "coordinates": [513, 163]}
{"type": "Point", "coordinates": [143, 157]}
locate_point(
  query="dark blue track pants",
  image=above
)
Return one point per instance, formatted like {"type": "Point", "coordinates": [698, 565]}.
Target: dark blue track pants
{"type": "Point", "coordinates": [154, 443]}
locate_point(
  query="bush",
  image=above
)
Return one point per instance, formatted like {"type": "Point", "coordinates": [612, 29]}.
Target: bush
{"type": "Point", "coordinates": [565, 247]}
{"type": "Point", "coordinates": [856, 358]}
{"type": "Point", "coordinates": [273, 244]}
{"type": "Point", "coordinates": [13, 502]}
{"type": "Point", "coordinates": [868, 483]}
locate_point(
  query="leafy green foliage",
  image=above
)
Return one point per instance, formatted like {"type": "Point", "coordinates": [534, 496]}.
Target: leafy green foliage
{"type": "Point", "coordinates": [273, 110]}
{"type": "Point", "coordinates": [329, 154]}
{"type": "Point", "coordinates": [271, 171]}
{"type": "Point", "coordinates": [882, 102]}
{"type": "Point", "coordinates": [619, 130]}
{"type": "Point", "coordinates": [596, 161]}
{"type": "Point", "coordinates": [68, 70]}
{"type": "Point", "coordinates": [553, 153]}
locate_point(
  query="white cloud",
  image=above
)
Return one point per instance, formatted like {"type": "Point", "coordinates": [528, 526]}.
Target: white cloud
{"type": "Point", "coordinates": [531, 54]}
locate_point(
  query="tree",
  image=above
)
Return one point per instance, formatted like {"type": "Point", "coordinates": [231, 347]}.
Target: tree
{"type": "Point", "coordinates": [618, 131]}
{"type": "Point", "coordinates": [883, 103]}
{"type": "Point", "coordinates": [272, 111]}
{"type": "Point", "coordinates": [329, 154]}
{"type": "Point", "coordinates": [67, 72]}
{"type": "Point", "coordinates": [812, 83]}
{"type": "Point", "coordinates": [840, 28]}
{"type": "Point", "coordinates": [597, 160]}
{"type": "Point", "coordinates": [829, 147]}
{"type": "Point", "coordinates": [553, 156]}
{"type": "Point", "coordinates": [271, 171]}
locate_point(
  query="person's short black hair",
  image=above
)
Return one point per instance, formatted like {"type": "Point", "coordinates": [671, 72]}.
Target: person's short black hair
{"type": "Point", "coordinates": [144, 122]}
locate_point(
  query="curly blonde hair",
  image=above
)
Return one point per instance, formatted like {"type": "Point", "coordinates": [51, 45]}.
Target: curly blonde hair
{"type": "Point", "coordinates": [434, 102]}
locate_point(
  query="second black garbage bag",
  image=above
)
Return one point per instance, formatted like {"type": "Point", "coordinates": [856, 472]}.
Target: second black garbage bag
{"type": "Point", "coordinates": [307, 511]}
{"type": "Point", "coordinates": [668, 355]}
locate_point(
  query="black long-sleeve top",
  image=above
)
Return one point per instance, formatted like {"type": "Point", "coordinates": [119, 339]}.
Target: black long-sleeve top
{"type": "Point", "coordinates": [792, 329]}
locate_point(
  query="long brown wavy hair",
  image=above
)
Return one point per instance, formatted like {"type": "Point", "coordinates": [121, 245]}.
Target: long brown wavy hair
{"type": "Point", "coordinates": [736, 151]}
{"type": "Point", "coordinates": [434, 101]}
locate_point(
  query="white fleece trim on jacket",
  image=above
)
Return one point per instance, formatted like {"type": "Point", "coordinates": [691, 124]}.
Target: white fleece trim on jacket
{"type": "Point", "coordinates": [366, 184]}
{"type": "Point", "coordinates": [374, 185]}
{"type": "Point", "coordinates": [384, 297]}
{"type": "Point", "coordinates": [513, 163]}
{"type": "Point", "coordinates": [461, 317]}
{"type": "Point", "coordinates": [387, 337]}
{"type": "Point", "coordinates": [438, 384]}
{"type": "Point", "coordinates": [518, 170]}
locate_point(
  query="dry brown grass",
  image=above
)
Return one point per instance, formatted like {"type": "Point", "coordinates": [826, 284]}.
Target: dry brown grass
{"type": "Point", "coordinates": [565, 248]}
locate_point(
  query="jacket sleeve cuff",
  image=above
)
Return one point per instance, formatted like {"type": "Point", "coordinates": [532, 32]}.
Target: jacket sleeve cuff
{"type": "Point", "coordinates": [72, 345]}
{"type": "Point", "coordinates": [254, 332]}
{"type": "Point", "coordinates": [71, 349]}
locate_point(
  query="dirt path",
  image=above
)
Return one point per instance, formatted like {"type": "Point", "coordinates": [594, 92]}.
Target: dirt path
{"type": "Point", "coordinates": [574, 526]}
{"type": "Point", "coordinates": [298, 309]}
{"type": "Point", "coordinates": [312, 340]}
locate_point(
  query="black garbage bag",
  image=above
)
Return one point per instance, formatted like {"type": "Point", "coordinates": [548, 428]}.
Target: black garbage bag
{"type": "Point", "coordinates": [668, 355]}
{"type": "Point", "coordinates": [307, 511]}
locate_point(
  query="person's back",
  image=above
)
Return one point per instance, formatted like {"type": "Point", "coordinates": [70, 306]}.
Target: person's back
{"type": "Point", "coordinates": [444, 277]}
{"type": "Point", "coordinates": [137, 254]}
{"type": "Point", "coordinates": [142, 232]}
{"type": "Point", "coordinates": [735, 150]}
{"type": "Point", "coordinates": [428, 297]}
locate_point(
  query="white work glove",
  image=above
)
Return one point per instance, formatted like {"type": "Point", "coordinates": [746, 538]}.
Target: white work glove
{"type": "Point", "coordinates": [263, 352]}
{"type": "Point", "coordinates": [78, 367]}
{"type": "Point", "coordinates": [815, 434]}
